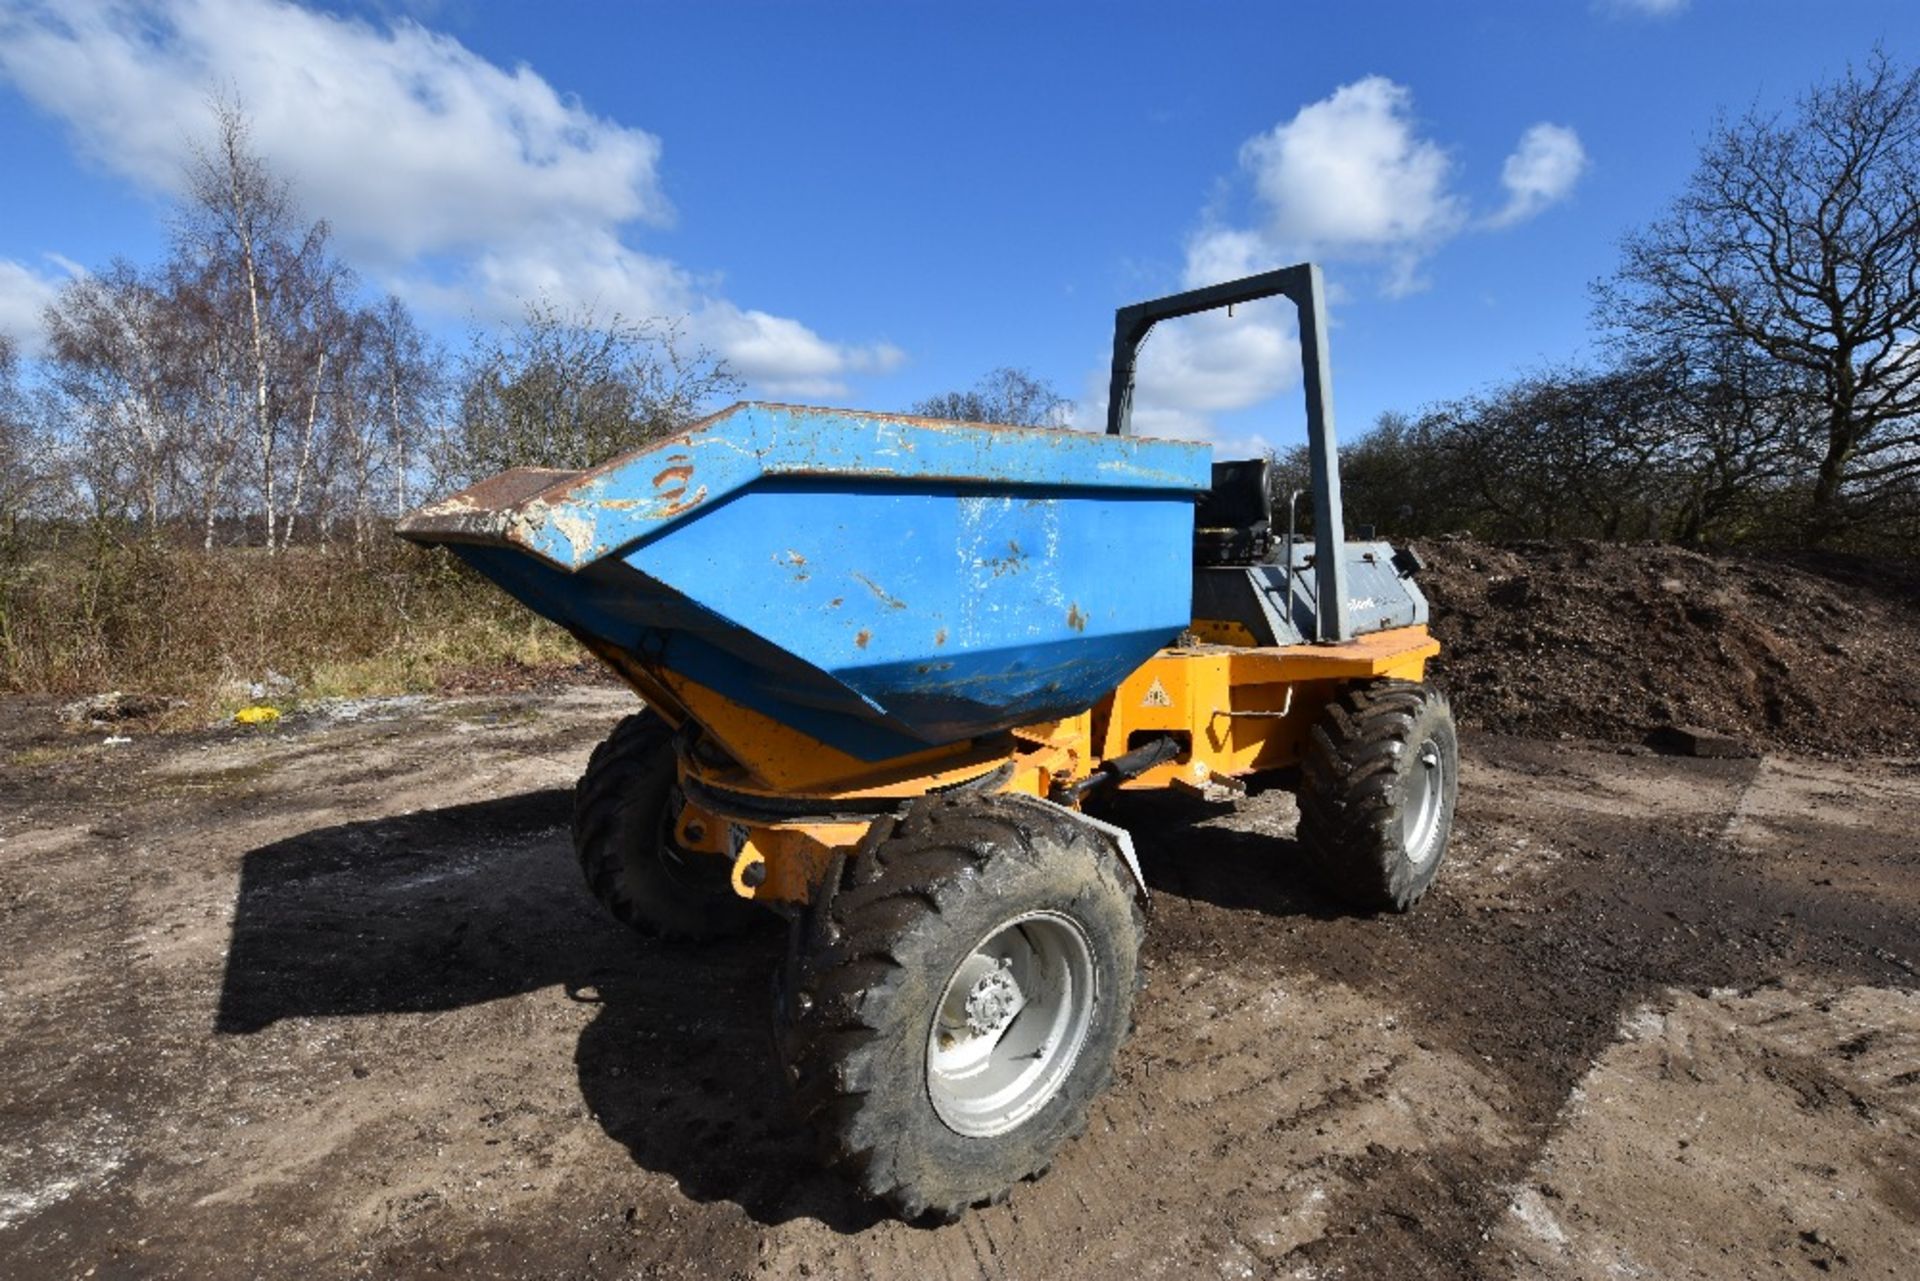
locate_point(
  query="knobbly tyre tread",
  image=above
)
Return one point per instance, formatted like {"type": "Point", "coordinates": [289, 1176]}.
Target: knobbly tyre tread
{"type": "Point", "coordinates": [619, 811]}
{"type": "Point", "coordinates": [872, 957]}
{"type": "Point", "coordinates": [1350, 795]}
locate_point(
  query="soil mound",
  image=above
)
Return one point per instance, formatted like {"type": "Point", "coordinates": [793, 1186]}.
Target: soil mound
{"type": "Point", "coordinates": [1613, 641]}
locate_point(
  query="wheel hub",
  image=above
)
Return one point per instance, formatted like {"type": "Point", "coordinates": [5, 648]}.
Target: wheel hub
{"type": "Point", "coordinates": [1011, 1023]}
{"type": "Point", "coordinates": [1422, 803]}
{"type": "Point", "coordinates": [994, 1000]}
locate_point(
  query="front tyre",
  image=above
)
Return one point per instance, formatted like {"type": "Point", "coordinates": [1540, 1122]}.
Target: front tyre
{"type": "Point", "coordinates": [623, 836]}
{"type": "Point", "coordinates": [956, 1005]}
{"type": "Point", "coordinates": [1377, 788]}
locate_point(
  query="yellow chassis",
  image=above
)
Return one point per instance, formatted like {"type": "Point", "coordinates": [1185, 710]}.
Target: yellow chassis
{"type": "Point", "coordinates": [1240, 710]}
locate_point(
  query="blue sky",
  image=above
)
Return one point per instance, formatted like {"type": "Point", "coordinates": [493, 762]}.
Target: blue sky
{"type": "Point", "coordinates": [864, 203]}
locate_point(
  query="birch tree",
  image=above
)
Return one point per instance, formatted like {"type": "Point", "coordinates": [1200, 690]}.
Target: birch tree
{"type": "Point", "coordinates": [20, 447]}
{"type": "Point", "coordinates": [240, 218]}
{"type": "Point", "coordinates": [404, 366]}
{"type": "Point", "coordinates": [109, 344]}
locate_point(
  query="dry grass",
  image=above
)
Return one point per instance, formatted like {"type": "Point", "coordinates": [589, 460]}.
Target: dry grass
{"type": "Point", "coordinates": [39, 757]}
{"type": "Point", "coordinates": [206, 629]}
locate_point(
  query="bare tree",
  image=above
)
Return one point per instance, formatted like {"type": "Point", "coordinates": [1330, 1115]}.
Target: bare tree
{"type": "Point", "coordinates": [1006, 395]}
{"type": "Point", "coordinates": [240, 217]}
{"type": "Point", "coordinates": [249, 344]}
{"type": "Point", "coordinates": [1798, 241]}
{"type": "Point", "coordinates": [1544, 455]}
{"type": "Point", "coordinates": [21, 471]}
{"type": "Point", "coordinates": [21, 463]}
{"type": "Point", "coordinates": [1390, 478]}
{"type": "Point", "coordinates": [565, 389]}
{"type": "Point", "coordinates": [325, 325]}
{"type": "Point", "coordinates": [404, 366]}
{"type": "Point", "coordinates": [1738, 436]}
{"type": "Point", "coordinates": [110, 357]}
{"type": "Point", "coordinates": [211, 356]}
{"type": "Point", "coordinates": [384, 390]}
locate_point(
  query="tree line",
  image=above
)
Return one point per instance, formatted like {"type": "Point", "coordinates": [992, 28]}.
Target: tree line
{"type": "Point", "coordinates": [1761, 371]}
{"type": "Point", "coordinates": [1759, 379]}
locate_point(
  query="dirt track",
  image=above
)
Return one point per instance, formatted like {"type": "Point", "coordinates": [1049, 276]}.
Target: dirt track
{"type": "Point", "coordinates": [328, 1000]}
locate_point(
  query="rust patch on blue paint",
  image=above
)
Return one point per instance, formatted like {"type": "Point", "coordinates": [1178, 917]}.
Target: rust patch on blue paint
{"type": "Point", "coordinates": [675, 508]}
{"type": "Point", "coordinates": [1076, 619]}
{"type": "Point", "coordinates": [940, 637]}
{"type": "Point", "coordinates": [862, 639]}
{"type": "Point", "coordinates": [1012, 563]}
{"type": "Point", "coordinates": [670, 486]}
{"type": "Point", "coordinates": [891, 602]}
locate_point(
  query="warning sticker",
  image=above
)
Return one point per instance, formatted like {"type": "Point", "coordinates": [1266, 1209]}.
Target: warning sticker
{"type": "Point", "coordinates": [1156, 695]}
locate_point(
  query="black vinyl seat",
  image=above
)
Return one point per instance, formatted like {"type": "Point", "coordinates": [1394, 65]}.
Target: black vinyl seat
{"type": "Point", "coordinates": [1234, 522]}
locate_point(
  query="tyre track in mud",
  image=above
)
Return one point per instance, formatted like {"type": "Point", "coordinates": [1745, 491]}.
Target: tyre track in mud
{"type": "Point", "coordinates": [331, 1002]}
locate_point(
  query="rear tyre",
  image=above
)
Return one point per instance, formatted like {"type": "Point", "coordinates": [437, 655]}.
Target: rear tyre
{"type": "Point", "coordinates": [951, 1010]}
{"type": "Point", "coordinates": [1377, 788]}
{"type": "Point", "coordinates": [623, 814]}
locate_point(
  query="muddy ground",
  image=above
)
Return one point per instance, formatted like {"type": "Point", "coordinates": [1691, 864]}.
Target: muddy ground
{"type": "Point", "coordinates": [328, 1000]}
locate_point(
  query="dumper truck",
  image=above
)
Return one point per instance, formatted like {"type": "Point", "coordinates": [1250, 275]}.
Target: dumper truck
{"type": "Point", "coordinates": [887, 666]}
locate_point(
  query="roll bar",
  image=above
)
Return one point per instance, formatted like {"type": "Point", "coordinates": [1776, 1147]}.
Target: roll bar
{"type": "Point", "coordinates": [1303, 285]}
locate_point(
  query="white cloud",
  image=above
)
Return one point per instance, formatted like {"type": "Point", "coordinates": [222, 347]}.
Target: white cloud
{"type": "Point", "coordinates": [1194, 368]}
{"type": "Point", "coordinates": [792, 359]}
{"type": "Point", "coordinates": [1216, 363]}
{"type": "Point", "coordinates": [1173, 424]}
{"type": "Point", "coordinates": [1541, 171]}
{"type": "Point", "coordinates": [1348, 180]}
{"type": "Point", "coordinates": [409, 141]}
{"type": "Point", "coordinates": [1352, 179]}
{"type": "Point", "coordinates": [1350, 176]}
{"type": "Point", "coordinates": [456, 181]}
{"type": "Point", "coordinates": [24, 295]}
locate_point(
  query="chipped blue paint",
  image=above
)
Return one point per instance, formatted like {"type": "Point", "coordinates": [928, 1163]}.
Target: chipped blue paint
{"type": "Point", "coordinates": [880, 583]}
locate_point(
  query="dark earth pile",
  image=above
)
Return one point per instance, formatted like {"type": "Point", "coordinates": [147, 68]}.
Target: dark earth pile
{"type": "Point", "coordinates": [1610, 641]}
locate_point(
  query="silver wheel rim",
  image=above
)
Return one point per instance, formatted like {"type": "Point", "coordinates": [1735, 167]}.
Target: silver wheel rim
{"type": "Point", "coordinates": [1010, 1024]}
{"type": "Point", "coordinates": [1426, 789]}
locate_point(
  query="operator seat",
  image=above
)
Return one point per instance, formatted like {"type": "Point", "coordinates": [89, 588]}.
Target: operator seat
{"type": "Point", "coordinates": [1233, 524]}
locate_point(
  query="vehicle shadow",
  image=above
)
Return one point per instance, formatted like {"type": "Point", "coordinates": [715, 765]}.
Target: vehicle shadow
{"type": "Point", "coordinates": [454, 907]}
{"type": "Point", "coordinates": [449, 908]}
{"type": "Point", "coordinates": [1185, 853]}
{"type": "Point", "coordinates": [434, 910]}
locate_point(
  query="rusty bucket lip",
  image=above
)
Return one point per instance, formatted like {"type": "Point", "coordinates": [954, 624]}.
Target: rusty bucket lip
{"type": "Point", "coordinates": [573, 518]}
{"type": "Point", "coordinates": [509, 488]}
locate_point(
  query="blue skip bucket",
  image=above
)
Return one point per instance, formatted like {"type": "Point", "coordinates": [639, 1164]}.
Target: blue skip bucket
{"type": "Point", "coordinates": [883, 584]}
